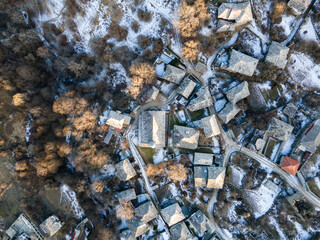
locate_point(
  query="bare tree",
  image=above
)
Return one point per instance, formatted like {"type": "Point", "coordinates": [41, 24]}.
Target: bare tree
{"type": "Point", "coordinates": [190, 50]}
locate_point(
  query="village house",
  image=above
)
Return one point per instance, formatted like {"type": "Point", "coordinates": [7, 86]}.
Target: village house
{"type": "Point", "coordinates": [180, 231]}
{"type": "Point", "coordinates": [173, 74]}
{"type": "Point", "coordinates": [153, 94]}
{"type": "Point", "coordinates": [200, 176]}
{"type": "Point", "coordinates": [146, 212]}
{"type": "Point", "coordinates": [152, 129]}
{"type": "Point", "coordinates": [290, 165]}
{"type": "Point", "coordinates": [51, 225]}
{"type": "Point", "coordinates": [238, 92]}
{"type": "Point", "coordinates": [125, 170]}
{"type": "Point", "coordinates": [203, 158]}
{"type": "Point", "coordinates": [186, 87]}
{"type": "Point", "coordinates": [216, 177]}
{"type": "Point", "coordinates": [185, 137]}
{"type": "Point", "coordinates": [290, 110]}
{"type": "Point", "coordinates": [137, 228]}
{"type": "Point", "coordinates": [271, 186]}
{"type": "Point", "coordinates": [298, 6]}
{"type": "Point", "coordinates": [242, 63]}
{"type": "Point", "coordinates": [233, 15]}
{"type": "Point", "coordinates": [172, 214]}
{"type": "Point", "coordinates": [277, 55]}
{"type": "Point", "coordinates": [23, 228]}
{"type": "Point", "coordinates": [118, 120]}
{"type": "Point", "coordinates": [108, 136]}
{"type": "Point", "coordinates": [200, 225]}
{"type": "Point", "coordinates": [229, 112]}
{"type": "Point", "coordinates": [202, 100]}
{"type": "Point", "coordinates": [210, 126]}
{"type": "Point", "coordinates": [310, 140]}
{"type": "Point", "coordinates": [126, 195]}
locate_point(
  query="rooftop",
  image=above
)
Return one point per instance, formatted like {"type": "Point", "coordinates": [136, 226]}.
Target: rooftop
{"type": "Point", "coordinates": [210, 126]}
{"type": "Point", "coordinates": [203, 158]}
{"type": "Point", "coordinates": [200, 176]}
{"type": "Point", "coordinates": [310, 140]}
{"type": "Point", "coordinates": [279, 130]}
{"type": "Point", "coordinates": [200, 224]}
{"type": "Point", "coordinates": [277, 54]}
{"type": "Point", "coordinates": [126, 195]}
{"type": "Point", "coordinates": [202, 100]}
{"type": "Point", "coordinates": [290, 110]}
{"type": "Point", "coordinates": [238, 93]}
{"type": "Point", "coordinates": [117, 119]}
{"type": "Point", "coordinates": [186, 87]}
{"type": "Point", "coordinates": [173, 74]}
{"type": "Point", "coordinates": [185, 137]}
{"type": "Point", "coordinates": [216, 177]}
{"type": "Point", "coordinates": [290, 165]}
{"type": "Point", "coordinates": [180, 231]}
{"type": "Point", "coordinates": [146, 212]}
{"type": "Point", "coordinates": [125, 170]}
{"type": "Point", "coordinates": [137, 227]}
{"type": "Point", "coordinates": [172, 214]}
{"type": "Point", "coordinates": [242, 63]}
{"type": "Point", "coordinates": [51, 225]}
{"type": "Point", "coordinates": [228, 112]}
{"type": "Point", "coordinates": [298, 6]}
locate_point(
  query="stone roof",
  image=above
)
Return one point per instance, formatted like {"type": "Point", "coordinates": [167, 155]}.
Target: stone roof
{"type": "Point", "coordinates": [271, 185]}
{"type": "Point", "coordinates": [117, 119]}
{"type": "Point", "coordinates": [225, 26]}
{"type": "Point", "coordinates": [152, 129]}
{"type": "Point", "coordinates": [153, 93]}
{"type": "Point", "coordinates": [200, 224]}
{"type": "Point", "coordinates": [238, 93]}
{"type": "Point", "coordinates": [125, 170]}
{"type": "Point", "coordinates": [201, 67]}
{"type": "Point", "coordinates": [173, 74]}
{"type": "Point", "coordinates": [290, 110]}
{"type": "Point", "coordinates": [277, 54]}
{"type": "Point", "coordinates": [290, 165]}
{"type": "Point", "coordinates": [228, 112]}
{"type": "Point", "coordinates": [172, 214]}
{"type": "Point", "coordinates": [180, 231]}
{"type": "Point", "coordinates": [51, 225]}
{"type": "Point", "coordinates": [185, 137]}
{"type": "Point", "coordinates": [298, 6]}
{"type": "Point", "coordinates": [202, 100]}
{"type": "Point", "coordinates": [310, 140]}
{"type": "Point", "coordinates": [242, 63]}
{"type": "Point", "coordinates": [260, 144]}
{"type": "Point", "coordinates": [137, 227]}
{"type": "Point", "coordinates": [126, 195]}
{"type": "Point", "coordinates": [279, 130]}
{"type": "Point", "coordinates": [210, 126]}
{"type": "Point", "coordinates": [146, 212]}
{"type": "Point", "coordinates": [186, 87]}
{"type": "Point", "coordinates": [203, 158]}
{"type": "Point", "coordinates": [200, 176]}
{"type": "Point", "coordinates": [238, 14]}
{"type": "Point", "coordinates": [216, 177]}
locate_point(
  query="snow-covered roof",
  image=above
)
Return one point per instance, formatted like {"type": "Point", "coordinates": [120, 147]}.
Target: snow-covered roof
{"type": "Point", "coordinates": [200, 224]}
{"type": "Point", "coordinates": [216, 177]}
{"type": "Point", "coordinates": [116, 119]}
{"type": "Point", "coordinates": [126, 195]}
{"type": "Point", "coordinates": [210, 126]}
{"type": "Point", "coordinates": [203, 158]}
{"type": "Point", "coordinates": [238, 93]}
{"type": "Point", "coordinates": [173, 74]}
{"type": "Point", "coordinates": [180, 231]}
{"type": "Point", "coordinates": [185, 137]}
{"type": "Point", "coordinates": [202, 100]}
{"type": "Point", "coordinates": [51, 225]}
{"type": "Point", "coordinates": [228, 112]}
{"type": "Point", "coordinates": [298, 6]}
{"type": "Point", "coordinates": [186, 87]}
{"type": "Point", "coordinates": [277, 54]}
{"type": "Point", "coordinates": [278, 130]}
{"type": "Point", "coordinates": [153, 93]}
{"type": "Point", "coordinates": [152, 128]}
{"type": "Point", "coordinates": [125, 170]}
{"type": "Point", "coordinates": [242, 63]}
{"type": "Point", "coordinates": [260, 144]}
{"type": "Point", "coordinates": [310, 140]}
{"type": "Point", "coordinates": [172, 214]}
{"type": "Point", "coordinates": [200, 176]}
{"type": "Point", "coordinates": [290, 110]}
{"type": "Point", "coordinates": [146, 212]}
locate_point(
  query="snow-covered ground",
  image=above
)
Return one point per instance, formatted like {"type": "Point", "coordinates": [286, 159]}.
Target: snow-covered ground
{"type": "Point", "coordinates": [307, 31]}
{"type": "Point", "coordinates": [68, 196]}
{"type": "Point", "coordinates": [158, 157]}
{"type": "Point", "coordinates": [286, 23]}
{"type": "Point", "coordinates": [273, 222]}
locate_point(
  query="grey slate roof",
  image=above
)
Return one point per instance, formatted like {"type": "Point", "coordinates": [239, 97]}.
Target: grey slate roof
{"type": "Point", "coordinates": [201, 67]}
{"type": "Point", "coordinates": [298, 6]}
{"type": "Point", "coordinates": [216, 177]}
{"type": "Point", "coordinates": [225, 26]}
{"type": "Point", "coordinates": [125, 170]}
{"type": "Point", "coordinates": [137, 227]}
{"type": "Point", "coordinates": [228, 112]}
{"type": "Point", "coordinates": [185, 137]}
{"type": "Point", "coordinates": [117, 119]}
{"type": "Point", "coordinates": [200, 176]}
{"type": "Point", "coordinates": [203, 158]}
{"type": "Point", "coordinates": [173, 74]}
{"type": "Point", "coordinates": [200, 224]}
{"type": "Point", "coordinates": [238, 93]}
{"type": "Point", "coordinates": [277, 54]}
{"type": "Point", "coordinates": [186, 87]}
{"type": "Point", "coordinates": [180, 231]}
{"type": "Point", "coordinates": [242, 63]}
{"type": "Point", "coordinates": [153, 93]}
{"type": "Point", "coordinates": [152, 129]}
{"type": "Point", "coordinates": [146, 212]}
{"type": "Point", "coordinates": [127, 195]}
{"type": "Point", "coordinates": [278, 130]}
{"type": "Point", "coordinates": [51, 225]}
{"type": "Point", "coordinates": [210, 126]}
{"type": "Point", "coordinates": [203, 100]}
{"type": "Point", "coordinates": [311, 138]}
{"type": "Point", "coordinates": [172, 214]}
{"type": "Point", "coordinates": [290, 110]}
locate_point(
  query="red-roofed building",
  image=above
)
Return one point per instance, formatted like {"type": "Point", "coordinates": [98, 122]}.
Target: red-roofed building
{"type": "Point", "coordinates": [290, 165]}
